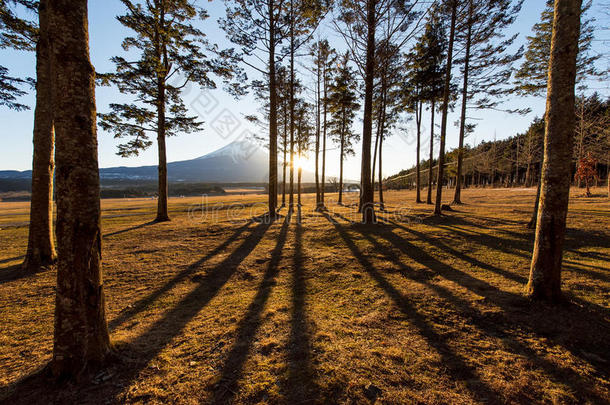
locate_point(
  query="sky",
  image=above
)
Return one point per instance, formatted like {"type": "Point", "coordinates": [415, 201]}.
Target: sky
{"type": "Point", "coordinates": [224, 116]}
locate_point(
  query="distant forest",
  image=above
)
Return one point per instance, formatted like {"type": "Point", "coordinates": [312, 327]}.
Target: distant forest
{"type": "Point", "coordinates": [516, 161]}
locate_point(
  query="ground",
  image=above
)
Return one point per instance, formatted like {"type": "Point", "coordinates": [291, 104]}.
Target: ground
{"type": "Point", "coordinates": [216, 307]}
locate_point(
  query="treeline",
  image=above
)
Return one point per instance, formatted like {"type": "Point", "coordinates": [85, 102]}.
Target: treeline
{"type": "Point", "coordinates": [517, 161]}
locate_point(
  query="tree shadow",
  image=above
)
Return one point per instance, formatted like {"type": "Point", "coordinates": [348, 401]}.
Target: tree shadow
{"type": "Point", "coordinates": [10, 259]}
{"type": "Point", "coordinates": [144, 302]}
{"type": "Point", "coordinates": [247, 328]}
{"type": "Point", "coordinates": [543, 322]}
{"type": "Point", "coordinates": [300, 385]}
{"type": "Point", "coordinates": [425, 258]}
{"type": "Point", "coordinates": [456, 365]}
{"type": "Point", "coordinates": [131, 228]}
{"type": "Point", "coordinates": [16, 272]}
{"type": "Point", "coordinates": [133, 356]}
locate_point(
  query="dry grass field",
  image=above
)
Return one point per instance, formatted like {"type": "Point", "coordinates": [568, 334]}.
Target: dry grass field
{"type": "Point", "coordinates": [214, 307]}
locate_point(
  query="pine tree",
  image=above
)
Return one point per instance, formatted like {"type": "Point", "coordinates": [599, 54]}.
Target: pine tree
{"type": "Point", "coordinates": [453, 9]}
{"type": "Point", "coordinates": [81, 341]}
{"type": "Point", "coordinates": [168, 45]}
{"type": "Point", "coordinates": [343, 105]}
{"type": "Point", "coordinates": [361, 20]}
{"type": "Point", "coordinates": [545, 271]}
{"type": "Point", "coordinates": [19, 34]}
{"type": "Point", "coordinates": [425, 64]}
{"type": "Point", "coordinates": [387, 103]}
{"type": "Point", "coordinates": [303, 18]}
{"type": "Point", "coordinates": [531, 77]}
{"type": "Point", "coordinates": [325, 59]}
{"type": "Point", "coordinates": [304, 132]}
{"type": "Point", "coordinates": [487, 64]}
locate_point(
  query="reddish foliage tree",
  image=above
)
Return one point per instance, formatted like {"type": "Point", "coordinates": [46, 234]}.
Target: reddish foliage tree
{"type": "Point", "coordinates": [586, 171]}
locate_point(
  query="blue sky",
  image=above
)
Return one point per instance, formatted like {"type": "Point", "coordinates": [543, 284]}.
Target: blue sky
{"type": "Point", "coordinates": [106, 35]}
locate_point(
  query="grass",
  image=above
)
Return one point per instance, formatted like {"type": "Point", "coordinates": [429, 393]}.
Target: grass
{"type": "Point", "coordinates": [220, 308]}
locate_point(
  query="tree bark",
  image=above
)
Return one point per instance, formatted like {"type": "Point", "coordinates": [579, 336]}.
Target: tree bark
{"type": "Point", "coordinates": [457, 198]}
{"type": "Point", "coordinates": [545, 271]}
{"type": "Point", "coordinates": [429, 197]}
{"type": "Point", "coordinates": [367, 207]}
{"type": "Point", "coordinates": [441, 153]}
{"type": "Point", "coordinates": [41, 246]}
{"type": "Point", "coordinates": [81, 340]}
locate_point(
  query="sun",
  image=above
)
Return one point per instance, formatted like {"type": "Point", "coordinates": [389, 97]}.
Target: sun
{"type": "Point", "coordinates": [300, 162]}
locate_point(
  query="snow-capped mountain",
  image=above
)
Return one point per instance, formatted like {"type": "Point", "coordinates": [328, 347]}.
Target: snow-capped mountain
{"type": "Point", "coordinates": [238, 162]}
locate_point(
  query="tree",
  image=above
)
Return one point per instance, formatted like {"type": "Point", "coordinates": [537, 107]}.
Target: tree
{"type": "Point", "coordinates": [585, 171]}
{"type": "Point", "coordinates": [19, 34]}
{"type": "Point", "coordinates": [81, 338]}
{"type": "Point", "coordinates": [361, 20]}
{"type": "Point", "coordinates": [41, 246]}
{"type": "Point", "coordinates": [425, 84]}
{"type": "Point", "coordinates": [169, 45]}
{"type": "Point", "coordinates": [304, 132]}
{"type": "Point", "coordinates": [325, 60]}
{"type": "Point", "coordinates": [445, 109]}
{"type": "Point", "coordinates": [545, 271]}
{"type": "Point", "coordinates": [531, 77]}
{"type": "Point", "coordinates": [259, 27]}
{"type": "Point", "coordinates": [303, 18]}
{"type": "Point", "coordinates": [343, 104]}
{"type": "Point", "coordinates": [387, 102]}
{"type": "Point", "coordinates": [487, 65]}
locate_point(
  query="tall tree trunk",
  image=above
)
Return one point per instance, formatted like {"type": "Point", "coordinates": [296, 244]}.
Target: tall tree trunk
{"type": "Point", "coordinates": [162, 214]}
{"type": "Point", "coordinates": [292, 33]}
{"type": "Point", "coordinates": [441, 153]}
{"type": "Point", "coordinates": [341, 152]}
{"type": "Point", "coordinates": [418, 112]}
{"type": "Point", "coordinates": [81, 338]}
{"type": "Point", "coordinates": [41, 246]}
{"type": "Point", "coordinates": [457, 198]}
{"type": "Point", "coordinates": [429, 197]}
{"type": "Point", "coordinates": [545, 272]}
{"type": "Point", "coordinates": [367, 207]}
{"type": "Point", "coordinates": [375, 148]}
{"type": "Point", "coordinates": [324, 127]}
{"type": "Point", "coordinates": [285, 163]}
{"type": "Point", "coordinates": [272, 199]}
{"type": "Point", "coordinates": [381, 204]}
{"type": "Point", "coordinates": [318, 191]}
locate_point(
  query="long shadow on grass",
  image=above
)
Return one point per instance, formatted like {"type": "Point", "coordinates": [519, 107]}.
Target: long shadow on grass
{"type": "Point", "coordinates": [232, 370]}
{"type": "Point", "coordinates": [301, 385]}
{"type": "Point", "coordinates": [135, 355]}
{"type": "Point", "coordinates": [173, 321]}
{"type": "Point", "coordinates": [474, 283]}
{"type": "Point", "coordinates": [131, 228]}
{"type": "Point", "coordinates": [15, 272]}
{"type": "Point", "coordinates": [456, 365]}
{"type": "Point", "coordinates": [10, 259]}
{"type": "Point", "coordinates": [144, 302]}
{"type": "Point", "coordinates": [501, 324]}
